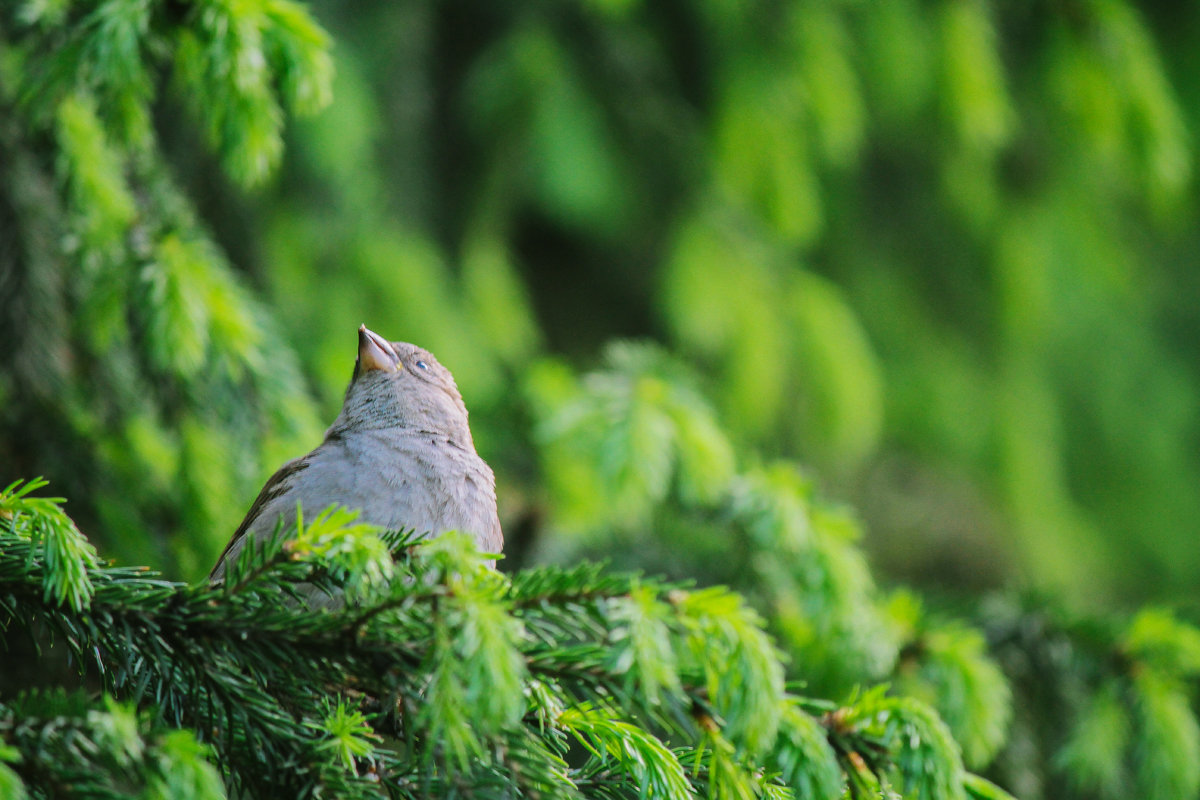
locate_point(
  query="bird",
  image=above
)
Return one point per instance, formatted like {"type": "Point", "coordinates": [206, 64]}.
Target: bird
{"type": "Point", "coordinates": [400, 452]}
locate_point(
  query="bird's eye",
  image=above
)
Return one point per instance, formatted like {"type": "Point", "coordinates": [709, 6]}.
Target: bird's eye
{"type": "Point", "coordinates": [422, 365]}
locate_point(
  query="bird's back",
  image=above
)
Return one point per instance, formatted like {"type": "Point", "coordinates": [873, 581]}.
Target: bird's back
{"type": "Point", "coordinates": [397, 478]}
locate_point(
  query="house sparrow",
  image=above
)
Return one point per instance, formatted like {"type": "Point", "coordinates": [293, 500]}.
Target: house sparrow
{"type": "Point", "coordinates": [400, 452]}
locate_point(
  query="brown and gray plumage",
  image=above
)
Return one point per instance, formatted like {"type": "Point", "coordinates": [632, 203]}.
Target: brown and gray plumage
{"type": "Point", "coordinates": [400, 452]}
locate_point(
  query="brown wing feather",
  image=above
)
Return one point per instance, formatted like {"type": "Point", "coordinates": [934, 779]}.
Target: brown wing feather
{"type": "Point", "coordinates": [275, 486]}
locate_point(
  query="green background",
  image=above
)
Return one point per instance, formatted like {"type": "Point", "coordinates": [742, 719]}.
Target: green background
{"type": "Point", "coordinates": [941, 254]}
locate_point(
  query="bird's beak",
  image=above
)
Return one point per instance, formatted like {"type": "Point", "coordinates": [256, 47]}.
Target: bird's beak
{"type": "Point", "coordinates": [375, 352]}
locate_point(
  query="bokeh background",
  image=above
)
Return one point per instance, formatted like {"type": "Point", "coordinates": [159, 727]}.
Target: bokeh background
{"type": "Point", "coordinates": [942, 255]}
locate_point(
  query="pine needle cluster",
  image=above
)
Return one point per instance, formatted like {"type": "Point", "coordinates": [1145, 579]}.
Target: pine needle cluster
{"type": "Point", "coordinates": [435, 677]}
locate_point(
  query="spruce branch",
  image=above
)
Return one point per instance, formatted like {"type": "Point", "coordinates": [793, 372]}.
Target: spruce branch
{"type": "Point", "coordinates": [105, 751]}
{"type": "Point", "coordinates": [450, 677]}
{"type": "Point", "coordinates": [40, 522]}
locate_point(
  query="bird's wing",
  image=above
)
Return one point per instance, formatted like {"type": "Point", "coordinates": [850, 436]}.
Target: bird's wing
{"type": "Point", "coordinates": [275, 486]}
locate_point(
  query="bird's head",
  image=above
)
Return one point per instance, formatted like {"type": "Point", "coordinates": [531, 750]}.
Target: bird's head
{"type": "Point", "coordinates": [397, 384]}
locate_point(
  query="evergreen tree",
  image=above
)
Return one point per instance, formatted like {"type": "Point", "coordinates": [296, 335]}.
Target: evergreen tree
{"type": "Point", "coordinates": [144, 373]}
{"type": "Point", "coordinates": [439, 678]}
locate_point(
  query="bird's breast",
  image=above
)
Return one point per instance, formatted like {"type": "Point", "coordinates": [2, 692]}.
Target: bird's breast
{"type": "Point", "coordinates": [420, 481]}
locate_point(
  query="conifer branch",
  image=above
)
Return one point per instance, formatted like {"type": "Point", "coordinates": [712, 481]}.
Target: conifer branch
{"type": "Point", "coordinates": [454, 676]}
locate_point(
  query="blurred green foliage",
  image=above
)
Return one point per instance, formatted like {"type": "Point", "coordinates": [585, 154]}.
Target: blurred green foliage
{"type": "Point", "coordinates": [940, 246]}
{"type": "Point", "coordinates": [943, 243]}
